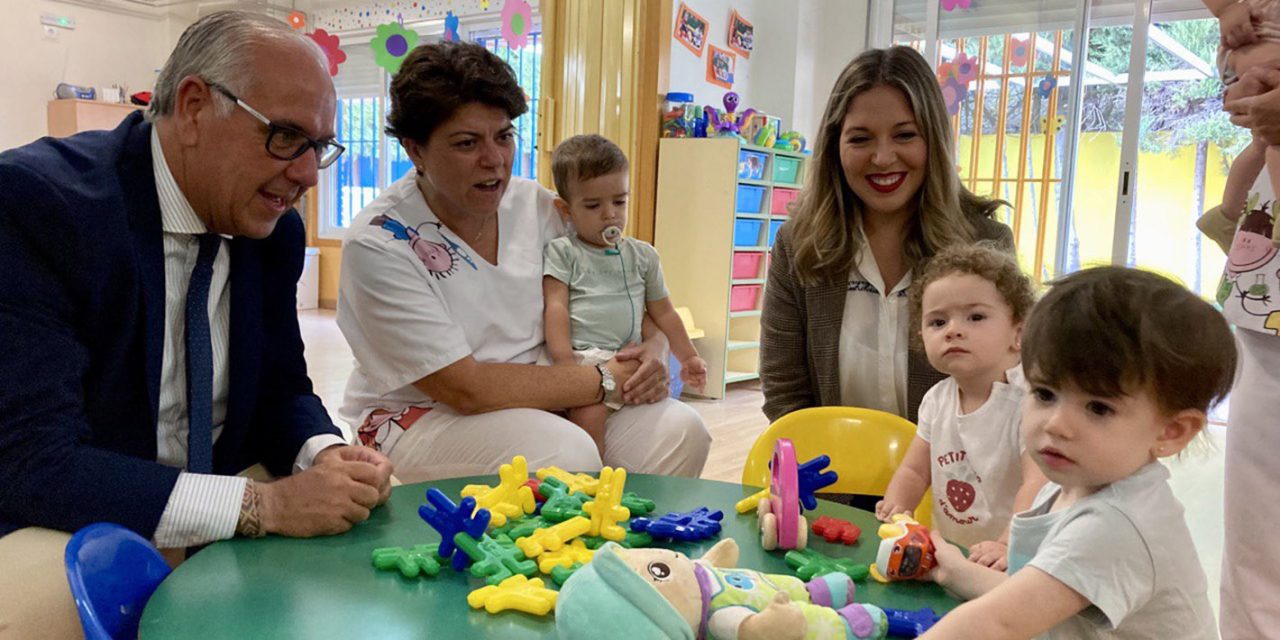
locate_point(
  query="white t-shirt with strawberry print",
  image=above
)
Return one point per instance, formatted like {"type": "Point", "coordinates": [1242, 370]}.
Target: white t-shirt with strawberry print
{"type": "Point", "coordinates": [976, 464]}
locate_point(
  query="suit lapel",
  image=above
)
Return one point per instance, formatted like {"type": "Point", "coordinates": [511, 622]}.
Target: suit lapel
{"type": "Point", "coordinates": [826, 315]}
{"type": "Point", "coordinates": [137, 178]}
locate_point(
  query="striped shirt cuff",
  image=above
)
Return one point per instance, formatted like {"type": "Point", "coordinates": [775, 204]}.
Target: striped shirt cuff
{"type": "Point", "coordinates": [313, 446]}
{"type": "Point", "coordinates": [202, 508]}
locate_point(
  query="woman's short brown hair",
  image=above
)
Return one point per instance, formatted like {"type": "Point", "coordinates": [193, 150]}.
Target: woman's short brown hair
{"type": "Point", "coordinates": [1112, 331]}
{"type": "Point", "coordinates": [984, 260]}
{"type": "Point", "coordinates": [437, 79]}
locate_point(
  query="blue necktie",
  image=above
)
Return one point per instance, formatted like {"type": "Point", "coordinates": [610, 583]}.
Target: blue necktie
{"type": "Point", "coordinates": [200, 360]}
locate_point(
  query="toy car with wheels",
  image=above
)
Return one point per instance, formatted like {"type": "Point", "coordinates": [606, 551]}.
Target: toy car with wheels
{"type": "Point", "coordinates": [781, 525]}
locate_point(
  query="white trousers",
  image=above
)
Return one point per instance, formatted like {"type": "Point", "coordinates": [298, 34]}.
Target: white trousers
{"type": "Point", "coordinates": [35, 599]}
{"type": "Point", "coordinates": [1250, 605]}
{"type": "Point", "coordinates": [665, 438]}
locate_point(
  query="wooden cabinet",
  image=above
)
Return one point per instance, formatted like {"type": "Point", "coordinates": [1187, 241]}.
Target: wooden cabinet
{"type": "Point", "coordinates": [67, 117]}
{"type": "Point", "coordinates": [720, 204]}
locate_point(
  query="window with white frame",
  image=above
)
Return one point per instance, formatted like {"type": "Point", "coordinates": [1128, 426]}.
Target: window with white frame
{"type": "Point", "coordinates": [373, 160]}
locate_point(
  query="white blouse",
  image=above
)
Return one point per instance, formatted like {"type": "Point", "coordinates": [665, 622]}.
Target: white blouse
{"type": "Point", "coordinates": [873, 339]}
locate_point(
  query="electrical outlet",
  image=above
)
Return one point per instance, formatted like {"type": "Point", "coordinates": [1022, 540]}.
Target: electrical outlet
{"type": "Point", "coordinates": [50, 33]}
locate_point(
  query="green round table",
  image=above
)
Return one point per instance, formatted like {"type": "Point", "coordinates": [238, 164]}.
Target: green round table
{"type": "Point", "coordinates": [328, 588]}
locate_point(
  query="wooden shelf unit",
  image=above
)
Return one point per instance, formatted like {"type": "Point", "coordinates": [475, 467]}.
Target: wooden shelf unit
{"type": "Point", "coordinates": [698, 208]}
{"type": "Point", "coordinates": [71, 116]}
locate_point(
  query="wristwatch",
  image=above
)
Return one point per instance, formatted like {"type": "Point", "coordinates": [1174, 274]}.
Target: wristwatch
{"type": "Point", "coordinates": [607, 385]}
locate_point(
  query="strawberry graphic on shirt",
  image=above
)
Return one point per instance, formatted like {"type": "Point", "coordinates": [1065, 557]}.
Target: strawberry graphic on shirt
{"type": "Point", "coordinates": [960, 494]}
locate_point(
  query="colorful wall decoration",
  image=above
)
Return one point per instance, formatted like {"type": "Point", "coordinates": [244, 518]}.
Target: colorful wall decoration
{"type": "Point", "coordinates": [367, 15]}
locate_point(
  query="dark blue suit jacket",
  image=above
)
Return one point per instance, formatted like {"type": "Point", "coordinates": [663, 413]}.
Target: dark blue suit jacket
{"type": "Point", "coordinates": [81, 323]}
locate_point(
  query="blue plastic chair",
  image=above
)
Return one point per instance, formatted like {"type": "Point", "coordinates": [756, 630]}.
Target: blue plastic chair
{"type": "Point", "coordinates": [113, 572]}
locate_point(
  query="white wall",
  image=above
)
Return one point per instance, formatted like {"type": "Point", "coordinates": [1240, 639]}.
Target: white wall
{"type": "Point", "coordinates": [800, 48]}
{"type": "Point", "coordinates": [105, 48]}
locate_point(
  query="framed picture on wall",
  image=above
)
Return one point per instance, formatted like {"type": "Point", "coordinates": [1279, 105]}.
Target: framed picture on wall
{"type": "Point", "coordinates": [691, 29]}
{"type": "Point", "coordinates": [720, 65]}
{"type": "Point", "coordinates": [741, 35]}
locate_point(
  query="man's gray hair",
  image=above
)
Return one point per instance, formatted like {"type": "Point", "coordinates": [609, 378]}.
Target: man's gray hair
{"type": "Point", "coordinates": [219, 48]}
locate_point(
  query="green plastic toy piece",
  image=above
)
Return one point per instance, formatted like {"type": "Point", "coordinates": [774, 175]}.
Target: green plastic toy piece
{"type": "Point", "coordinates": [633, 540]}
{"type": "Point", "coordinates": [560, 574]}
{"type": "Point", "coordinates": [412, 562]}
{"type": "Point", "coordinates": [494, 559]}
{"type": "Point", "coordinates": [516, 529]}
{"type": "Point", "coordinates": [636, 504]}
{"type": "Point", "coordinates": [809, 564]}
{"type": "Point", "coordinates": [561, 506]}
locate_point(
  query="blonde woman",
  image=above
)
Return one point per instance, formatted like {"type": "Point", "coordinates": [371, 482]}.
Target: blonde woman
{"type": "Point", "coordinates": [882, 197]}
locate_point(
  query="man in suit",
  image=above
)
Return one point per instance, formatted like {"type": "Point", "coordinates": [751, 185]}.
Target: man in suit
{"type": "Point", "coordinates": [150, 343]}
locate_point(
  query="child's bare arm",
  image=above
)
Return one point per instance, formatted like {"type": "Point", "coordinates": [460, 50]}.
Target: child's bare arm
{"type": "Point", "coordinates": [665, 316]}
{"type": "Point", "coordinates": [1235, 22]}
{"type": "Point", "coordinates": [1023, 605]}
{"type": "Point", "coordinates": [1240, 178]}
{"type": "Point", "coordinates": [555, 320]}
{"type": "Point", "coordinates": [909, 482]}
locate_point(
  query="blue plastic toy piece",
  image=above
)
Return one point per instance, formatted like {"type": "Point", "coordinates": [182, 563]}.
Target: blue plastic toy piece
{"type": "Point", "coordinates": [813, 478]}
{"type": "Point", "coordinates": [450, 519]}
{"type": "Point", "coordinates": [910, 624]}
{"type": "Point", "coordinates": [113, 572]}
{"type": "Point", "coordinates": [699, 524]}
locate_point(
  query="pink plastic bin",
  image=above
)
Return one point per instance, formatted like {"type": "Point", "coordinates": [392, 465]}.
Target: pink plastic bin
{"type": "Point", "coordinates": [742, 297]}
{"type": "Point", "coordinates": [781, 198]}
{"type": "Point", "coordinates": [746, 264]}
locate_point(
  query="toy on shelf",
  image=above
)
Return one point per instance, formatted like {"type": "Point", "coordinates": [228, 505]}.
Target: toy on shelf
{"type": "Point", "coordinates": [835, 529]}
{"type": "Point", "coordinates": [518, 593]}
{"type": "Point", "coordinates": [553, 538]}
{"type": "Point", "coordinates": [662, 593]}
{"type": "Point", "coordinates": [510, 498]}
{"type": "Point", "coordinates": [906, 550]}
{"type": "Point", "coordinates": [781, 525]}
{"type": "Point", "coordinates": [812, 476]}
{"type": "Point", "coordinates": [411, 562]}
{"type": "Point", "coordinates": [910, 624]}
{"type": "Point", "coordinates": [810, 563]}
{"type": "Point", "coordinates": [699, 524]}
{"type": "Point", "coordinates": [450, 519]}
{"type": "Point", "coordinates": [495, 559]}
{"type": "Point", "coordinates": [606, 510]}
{"type": "Point", "coordinates": [791, 141]}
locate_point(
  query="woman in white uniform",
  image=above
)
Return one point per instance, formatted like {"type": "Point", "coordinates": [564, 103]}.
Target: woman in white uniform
{"type": "Point", "coordinates": [441, 300]}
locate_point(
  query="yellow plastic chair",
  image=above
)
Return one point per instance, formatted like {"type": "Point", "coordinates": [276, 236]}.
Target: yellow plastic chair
{"type": "Point", "coordinates": [866, 446]}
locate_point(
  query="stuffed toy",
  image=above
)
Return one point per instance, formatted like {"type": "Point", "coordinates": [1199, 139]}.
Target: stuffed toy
{"type": "Point", "coordinates": [657, 593]}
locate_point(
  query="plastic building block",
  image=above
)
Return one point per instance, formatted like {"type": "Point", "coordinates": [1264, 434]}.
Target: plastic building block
{"type": "Point", "coordinates": [510, 498]}
{"type": "Point", "coordinates": [812, 478]}
{"type": "Point", "coordinates": [577, 482]}
{"type": "Point", "coordinates": [910, 624]}
{"type": "Point", "coordinates": [633, 540]}
{"type": "Point", "coordinates": [521, 527]}
{"type": "Point", "coordinates": [749, 503]}
{"type": "Point", "coordinates": [699, 524]}
{"type": "Point", "coordinates": [563, 506]}
{"type": "Point", "coordinates": [809, 564]}
{"type": "Point", "coordinates": [836, 530]}
{"type": "Point", "coordinates": [495, 559]}
{"type": "Point", "coordinates": [533, 484]}
{"type": "Point", "coordinates": [781, 525]}
{"type": "Point", "coordinates": [411, 562]}
{"type": "Point", "coordinates": [560, 574]}
{"type": "Point", "coordinates": [552, 486]}
{"type": "Point", "coordinates": [606, 510]}
{"type": "Point", "coordinates": [573, 553]}
{"type": "Point", "coordinates": [518, 593]}
{"type": "Point", "coordinates": [636, 505]}
{"type": "Point", "coordinates": [552, 538]}
{"type": "Point", "coordinates": [450, 519]}
{"type": "Point", "coordinates": [906, 550]}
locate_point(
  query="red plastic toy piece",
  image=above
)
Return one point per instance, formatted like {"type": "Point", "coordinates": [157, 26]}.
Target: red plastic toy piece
{"type": "Point", "coordinates": [534, 483]}
{"type": "Point", "coordinates": [836, 530]}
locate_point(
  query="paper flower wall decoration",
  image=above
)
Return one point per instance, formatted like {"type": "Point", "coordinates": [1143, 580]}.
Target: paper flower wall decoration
{"type": "Point", "coordinates": [954, 93]}
{"type": "Point", "coordinates": [517, 18]}
{"type": "Point", "coordinates": [451, 27]}
{"type": "Point", "coordinates": [391, 44]}
{"type": "Point", "coordinates": [332, 51]}
{"type": "Point", "coordinates": [1019, 52]}
{"type": "Point", "coordinates": [297, 20]}
{"type": "Point", "coordinates": [966, 67]}
{"type": "Point", "coordinates": [952, 5]}
{"type": "Point", "coordinates": [1045, 87]}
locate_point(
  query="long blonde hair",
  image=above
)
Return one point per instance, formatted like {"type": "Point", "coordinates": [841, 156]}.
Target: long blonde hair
{"type": "Point", "coordinates": [824, 235]}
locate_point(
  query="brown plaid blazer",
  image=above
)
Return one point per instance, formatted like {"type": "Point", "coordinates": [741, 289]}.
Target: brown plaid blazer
{"type": "Point", "coordinates": [800, 336]}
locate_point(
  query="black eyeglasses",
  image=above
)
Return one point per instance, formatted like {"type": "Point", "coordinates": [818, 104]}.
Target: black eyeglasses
{"type": "Point", "coordinates": [287, 143]}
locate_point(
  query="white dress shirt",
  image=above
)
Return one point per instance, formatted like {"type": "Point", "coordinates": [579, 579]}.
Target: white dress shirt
{"type": "Point", "coordinates": [202, 507]}
{"type": "Point", "coordinates": [873, 339]}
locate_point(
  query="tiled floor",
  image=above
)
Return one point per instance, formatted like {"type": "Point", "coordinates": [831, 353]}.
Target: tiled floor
{"type": "Point", "coordinates": [736, 421]}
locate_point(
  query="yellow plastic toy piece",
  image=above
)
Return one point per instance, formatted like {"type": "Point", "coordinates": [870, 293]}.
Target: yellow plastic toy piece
{"type": "Point", "coordinates": [552, 538]}
{"type": "Point", "coordinates": [749, 503]}
{"type": "Point", "coordinates": [517, 592]}
{"type": "Point", "coordinates": [577, 482]}
{"type": "Point", "coordinates": [510, 498]}
{"type": "Point", "coordinates": [606, 510]}
{"type": "Point", "coordinates": [575, 551]}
